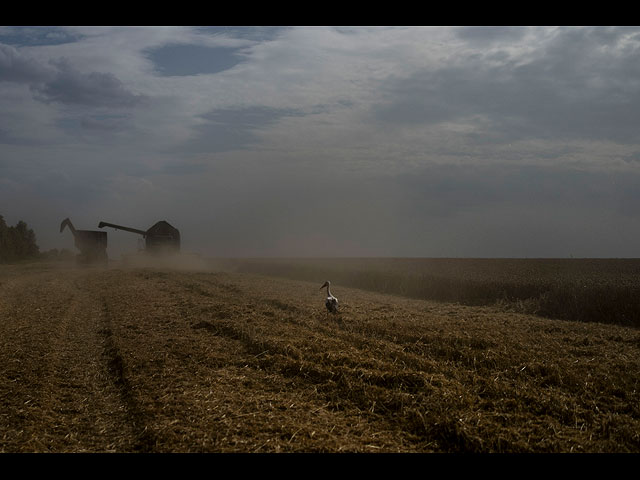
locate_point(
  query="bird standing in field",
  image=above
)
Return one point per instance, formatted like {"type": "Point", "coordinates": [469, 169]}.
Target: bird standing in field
{"type": "Point", "coordinates": [332, 302]}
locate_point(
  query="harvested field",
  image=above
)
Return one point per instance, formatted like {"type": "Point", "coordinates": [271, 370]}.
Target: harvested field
{"type": "Point", "coordinates": [162, 360]}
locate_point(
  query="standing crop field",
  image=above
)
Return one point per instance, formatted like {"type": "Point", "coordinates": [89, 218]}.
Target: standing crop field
{"type": "Point", "coordinates": [162, 360]}
{"type": "Point", "coordinates": [592, 290]}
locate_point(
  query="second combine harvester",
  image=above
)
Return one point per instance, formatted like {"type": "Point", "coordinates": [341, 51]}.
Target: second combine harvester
{"type": "Point", "coordinates": [161, 238]}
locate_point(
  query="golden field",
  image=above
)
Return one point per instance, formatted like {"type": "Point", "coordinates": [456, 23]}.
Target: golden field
{"type": "Point", "coordinates": [241, 356]}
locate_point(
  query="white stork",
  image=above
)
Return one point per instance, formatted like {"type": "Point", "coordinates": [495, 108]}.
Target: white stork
{"type": "Point", "coordinates": [331, 302]}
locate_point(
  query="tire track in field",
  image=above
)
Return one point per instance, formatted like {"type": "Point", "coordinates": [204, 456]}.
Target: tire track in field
{"type": "Point", "coordinates": [145, 440]}
{"type": "Point", "coordinates": [83, 403]}
{"type": "Point", "coordinates": [49, 395]}
{"type": "Point", "coordinates": [60, 400]}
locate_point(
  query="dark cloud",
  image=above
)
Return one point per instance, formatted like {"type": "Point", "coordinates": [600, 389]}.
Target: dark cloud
{"type": "Point", "coordinates": [16, 67]}
{"type": "Point", "coordinates": [34, 36]}
{"type": "Point", "coordinates": [72, 87]}
{"type": "Point", "coordinates": [182, 60]}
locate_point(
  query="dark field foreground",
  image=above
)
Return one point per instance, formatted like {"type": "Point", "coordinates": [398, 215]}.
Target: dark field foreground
{"type": "Point", "coordinates": [147, 360]}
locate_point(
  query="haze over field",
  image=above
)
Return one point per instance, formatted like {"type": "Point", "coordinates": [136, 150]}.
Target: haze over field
{"type": "Point", "coordinates": [314, 141]}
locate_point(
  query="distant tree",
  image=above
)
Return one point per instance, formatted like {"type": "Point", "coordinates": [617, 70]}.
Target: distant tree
{"type": "Point", "coordinates": [17, 243]}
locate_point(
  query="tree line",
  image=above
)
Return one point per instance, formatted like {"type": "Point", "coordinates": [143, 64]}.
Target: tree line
{"type": "Point", "coordinates": [18, 243]}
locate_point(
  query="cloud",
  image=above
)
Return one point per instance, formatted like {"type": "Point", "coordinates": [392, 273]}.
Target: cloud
{"type": "Point", "coordinates": [72, 87]}
{"type": "Point", "coordinates": [330, 141]}
{"type": "Point", "coordinates": [104, 123]}
{"type": "Point", "coordinates": [184, 60]}
{"type": "Point", "coordinates": [482, 36]}
{"type": "Point", "coordinates": [257, 34]}
{"type": "Point", "coordinates": [59, 81]}
{"type": "Point", "coordinates": [228, 129]}
{"type": "Point", "coordinates": [34, 36]}
{"type": "Point", "coordinates": [578, 85]}
{"type": "Point", "coordinates": [183, 168]}
{"type": "Point", "coordinates": [16, 67]}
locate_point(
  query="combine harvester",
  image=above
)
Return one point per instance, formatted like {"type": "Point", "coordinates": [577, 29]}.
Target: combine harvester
{"type": "Point", "coordinates": [161, 239]}
{"type": "Point", "coordinates": [91, 243]}
{"type": "Point", "coordinates": [161, 247]}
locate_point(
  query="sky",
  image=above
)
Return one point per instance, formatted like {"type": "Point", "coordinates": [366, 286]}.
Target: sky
{"type": "Point", "coordinates": [327, 141]}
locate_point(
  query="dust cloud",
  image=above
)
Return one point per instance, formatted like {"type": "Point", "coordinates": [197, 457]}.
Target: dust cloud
{"type": "Point", "coordinates": [178, 261]}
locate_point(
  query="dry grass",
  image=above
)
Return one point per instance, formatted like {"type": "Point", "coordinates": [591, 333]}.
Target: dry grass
{"type": "Point", "coordinates": [149, 360]}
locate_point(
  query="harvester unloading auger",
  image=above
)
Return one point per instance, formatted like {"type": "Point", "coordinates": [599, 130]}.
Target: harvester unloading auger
{"type": "Point", "coordinates": [160, 238]}
{"type": "Point", "coordinates": [91, 243]}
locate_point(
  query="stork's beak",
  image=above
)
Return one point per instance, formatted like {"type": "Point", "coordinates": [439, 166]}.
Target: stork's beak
{"type": "Point", "coordinates": [324, 285]}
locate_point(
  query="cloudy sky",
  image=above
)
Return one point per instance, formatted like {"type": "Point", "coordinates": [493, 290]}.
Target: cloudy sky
{"type": "Point", "coordinates": [314, 141]}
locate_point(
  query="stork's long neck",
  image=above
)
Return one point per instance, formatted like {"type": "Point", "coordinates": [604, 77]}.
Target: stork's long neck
{"type": "Point", "coordinates": [328, 292]}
